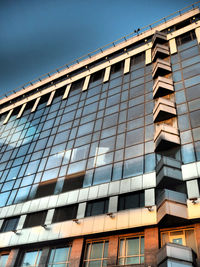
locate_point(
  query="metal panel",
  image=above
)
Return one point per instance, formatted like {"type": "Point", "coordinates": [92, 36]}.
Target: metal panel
{"type": "Point", "coordinates": [136, 183]}
{"type": "Point", "coordinates": [67, 91]}
{"type": "Point", "coordinates": [93, 191]}
{"type": "Point", "coordinates": [197, 32]}
{"type": "Point", "coordinates": [62, 199]}
{"type": "Point", "coordinates": [113, 203]}
{"type": "Point", "coordinates": [73, 196]}
{"type": "Point", "coordinates": [21, 222]}
{"type": "Point", "coordinates": [35, 104]}
{"type": "Point", "coordinates": [86, 83]}
{"type": "Point", "coordinates": [107, 74]}
{"type": "Point", "coordinates": [114, 188]}
{"type": "Point", "coordinates": [172, 46]}
{"type": "Point", "coordinates": [81, 210]}
{"type": "Point", "coordinates": [11, 211]}
{"type": "Point", "coordinates": [189, 171]}
{"type": "Point", "coordinates": [53, 199]}
{"type": "Point", "coordinates": [1, 223]}
{"type": "Point", "coordinates": [149, 180]}
{"type": "Point", "coordinates": [103, 190]}
{"type": "Point", "coordinates": [149, 197]}
{"type": "Point", "coordinates": [125, 186]}
{"type": "Point", "coordinates": [181, 254]}
{"type": "Point", "coordinates": [127, 64]}
{"type": "Point", "coordinates": [148, 59]}
{"type": "Point", "coordinates": [192, 189]}
{"type": "Point", "coordinates": [21, 111]}
{"type": "Point", "coordinates": [51, 98]}
{"type": "Point", "coordinates": [49, 217]}
{"type": "Point", "coordinates": [83, 194]}
{"type": "Point", "coordinates": [8, 116]}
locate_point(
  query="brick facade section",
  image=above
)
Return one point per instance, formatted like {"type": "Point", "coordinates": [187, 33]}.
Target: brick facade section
{"type": "Point", "coordinates": [197, 235]}
{"type": "Point", "coordinates": [12, 258]}
{"type": "Point", "coordinates": [77, 248]}
{"type": "Point", "coordinates": [44, 257]}
{"type": "Point", "coordinates": [151, 246]}
{"type": "Point", "coordinates": [112, 250]}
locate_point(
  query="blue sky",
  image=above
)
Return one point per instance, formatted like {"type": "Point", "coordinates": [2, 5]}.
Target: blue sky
{"type": "Point", "coordinates": [39, 36]}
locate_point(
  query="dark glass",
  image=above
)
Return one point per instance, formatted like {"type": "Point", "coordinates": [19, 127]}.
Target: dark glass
{"type": "Point", "coordinates": [73, 182]}
{"type": "Point", "coordinates": [131, 201]}
{"type": "Point", "coordinates": [65, 213]}
{"type": "Point", "coordinates": [35, 219]}
{"type": "Point", "coordinates": [9, 224]}
{"type": "Point", "coordinates": [96, 207]}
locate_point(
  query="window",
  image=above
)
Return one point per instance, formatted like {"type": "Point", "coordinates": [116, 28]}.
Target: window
{"type": "Point", "coordinates": [96, 254]}
{"type": "Point", "coordinates": [73, 181]}
{"type": "Point", "coordinates": [131, 201]}
{"type": "Point", "coordinates": [3, 259]}
{"type": "Point", "coordinates": [10, 224]}
{"type": "Point", "coordinates": [59, 257]}
{"type": "Point", "coordinates": [184, 237]}
{"type": "Point", "coordinates": [31, 258]}
{"type": "Point", "coordinates": [97, 207]}
{"type": "Point", "coordinates": [186, 37]}
{"type": "Point", "coordinates": [65, 213]}
{"type": "Point", "coordinates": [117, 67]}
{"type": "Point", "coordinates": [46, 188]}
{"type": "Point", "coordinates": [35, 219]}
{"type": "Point", "coordinates": [131, 250]}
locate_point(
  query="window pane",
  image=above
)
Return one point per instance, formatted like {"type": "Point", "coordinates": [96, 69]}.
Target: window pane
{"type": "Point", "coordinates": [190, 239]}
{"type": "Point", "coordinates": [61, 254]}
{"type": "Point", "coordinates": [96, 251]}
{"type": "Point", "coordinates": [3, 260]}
{"type": "Point", "coordinates": [31, 258]}
{"type": "Point", "coordinates": [132, 260]}
{"type": "Point", "coordinates": [133, 246]}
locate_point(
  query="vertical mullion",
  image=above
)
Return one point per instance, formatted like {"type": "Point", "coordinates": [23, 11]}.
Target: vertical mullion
{"type": "Point", "coordinates": [8, 116]}
{"type": "Point", "coordinates": [21, 111]}
{"type": "Point", "coordinates": [35, 104]}
{"type": "Point", "coordinates": [50, 98]}
{"type": "Point", "coordinates": [66, 93]}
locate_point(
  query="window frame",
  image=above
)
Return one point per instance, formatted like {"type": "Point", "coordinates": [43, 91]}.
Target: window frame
{"type": "Point", "coordinates": [87, 253]}
{"type": "Point", "coordinates": [39, 254]}
{"type": "Point", "coordinates": [5, 224]}
{"type": "Point", "coordinates": [105, 207]}
{"type": "Point", "coordinates": [183, 235]}
{"type": "Point", "coordinates": [125, 256]}
{"type": "Point", "coordinates": [50, 264]}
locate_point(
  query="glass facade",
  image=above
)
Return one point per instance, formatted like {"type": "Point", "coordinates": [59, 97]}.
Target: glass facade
{"type": "Point", "coordinates": [105, 132]}
{"type": "Point", "coordinates": [119, 148]}
{"type": "Point", "coordinates": [186, 76]}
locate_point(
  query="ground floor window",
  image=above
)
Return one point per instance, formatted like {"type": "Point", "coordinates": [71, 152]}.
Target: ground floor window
{"type": "Point", "coordinates": [131, 250]}
{"type": "Point", "coordinates": [184, 237]}
{"type": "Point", "coordinates": [59, 257]}
{"type": "Point", "coordinates": [96, 254]}
{"type": "Point", "coordinates": [3, 259]}
{"type": "Point", "coordinates": [31, 258]}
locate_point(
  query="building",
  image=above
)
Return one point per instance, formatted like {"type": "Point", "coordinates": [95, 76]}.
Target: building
{"type": "Point", "coordinates": [100, 162]}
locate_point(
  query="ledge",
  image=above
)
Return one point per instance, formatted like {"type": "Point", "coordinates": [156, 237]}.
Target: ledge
{"type": "Point", "coordinates": [160, 51]}
{"type": "Point", "coordinates": [165, 137]}
{"type": "Point", "coordinates": [164, 109]}
{"type": "Point", "coordinates": [162, 86]}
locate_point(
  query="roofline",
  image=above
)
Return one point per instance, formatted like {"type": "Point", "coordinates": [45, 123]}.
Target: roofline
{"type": "Point", "coordinates": [163, 24]}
